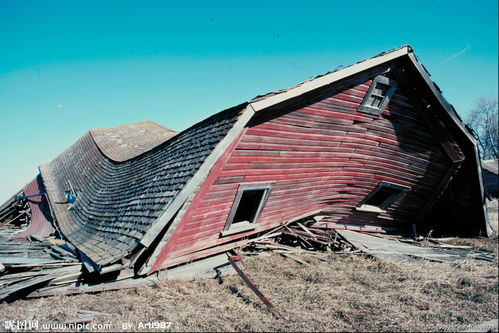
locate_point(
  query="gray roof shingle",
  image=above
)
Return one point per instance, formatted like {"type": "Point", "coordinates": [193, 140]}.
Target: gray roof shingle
{"type": "Point", "coordinates": [121, 143]}
{"type": "Point", "coordinates": [120, 201]}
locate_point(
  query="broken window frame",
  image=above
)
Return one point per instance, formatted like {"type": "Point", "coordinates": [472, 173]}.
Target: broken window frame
{"type": "Point", "coordinates": [377, 110]}
{"type": "Point", "coordinates": [232, 227]}
{"type": "Point", "coordinates": [364, 206]}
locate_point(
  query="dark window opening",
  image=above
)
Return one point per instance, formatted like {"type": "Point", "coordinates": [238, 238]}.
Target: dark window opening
{"type": "Point", "coordinates": [383, 195]}
{"type": "Point", "coordinates": [248, 206]}
{"type": "Point", "coordinates": [378, 95]}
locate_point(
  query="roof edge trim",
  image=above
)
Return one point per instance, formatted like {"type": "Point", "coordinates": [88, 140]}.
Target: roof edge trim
{"type": "Point", "coordinates": [198, 177]}
{"type": "Point", "coordinates": [443, 102]}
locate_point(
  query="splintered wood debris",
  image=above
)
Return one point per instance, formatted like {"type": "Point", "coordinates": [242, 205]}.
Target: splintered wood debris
{"type": "Point", "coordinates": [302, 237]}
{"type": "Point", "coordinates": [35, 262]}
{"type": "Point", "coordinates": [37, 267]}
{"type": "Point", "coordinates": [404, 250]}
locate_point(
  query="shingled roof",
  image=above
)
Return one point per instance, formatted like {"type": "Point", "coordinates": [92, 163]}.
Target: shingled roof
{"type": "Point", "coordinates": [121, 143]}
{"type": "Point", "coordinates": [132, 179]}
{"type": "Point", "coordinates": [123, 189]}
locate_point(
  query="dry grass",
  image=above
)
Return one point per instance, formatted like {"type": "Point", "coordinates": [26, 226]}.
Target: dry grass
{"type": "Point", "coordinates": [484, 244]}
{"type": "Point", "coordinates": [351, 293]}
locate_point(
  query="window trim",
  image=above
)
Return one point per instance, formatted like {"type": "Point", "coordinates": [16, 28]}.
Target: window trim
{"type": "Point", "coordinates": [230, 228]}
{"type": "Point", "coordinates": [392, 86]}
{"type": "Point", "coordinates": [363, 207]}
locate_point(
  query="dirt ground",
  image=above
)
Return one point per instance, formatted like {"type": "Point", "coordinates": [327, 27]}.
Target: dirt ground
{"type": "Point", "coordinates": [349, 293]}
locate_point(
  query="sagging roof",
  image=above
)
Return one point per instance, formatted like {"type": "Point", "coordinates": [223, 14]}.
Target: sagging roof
{"type": "Point", "coordinates": [125, 142]}
{"type": "Point", "coordinates": [117, 202]}
{"type": "Point", "coordinates": [131, 185]}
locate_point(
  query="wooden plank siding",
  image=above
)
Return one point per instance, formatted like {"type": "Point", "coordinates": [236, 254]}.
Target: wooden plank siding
{"type": "Point", "coordinates": [325, 156]}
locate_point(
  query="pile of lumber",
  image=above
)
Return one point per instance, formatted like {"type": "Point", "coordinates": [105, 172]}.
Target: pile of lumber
{"type": "Point", "coordinates": [300, 237]}
{"type": "Point", "coordinates": [34, 262]}
{"type": "Point", "coordinates": [14, 213]}
{"type": "Point", "coordinates": [37, 267]}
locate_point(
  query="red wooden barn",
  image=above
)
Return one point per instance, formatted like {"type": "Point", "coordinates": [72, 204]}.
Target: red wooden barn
{"type": "Point", "coordinates": [373, 147]}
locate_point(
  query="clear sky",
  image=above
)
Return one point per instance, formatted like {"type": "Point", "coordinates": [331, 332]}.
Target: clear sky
{"type": "Point", "coordinates": [68, 66]}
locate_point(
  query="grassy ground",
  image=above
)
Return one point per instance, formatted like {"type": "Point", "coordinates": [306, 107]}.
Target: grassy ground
{"type": "Point", "coordinates": [484, 244]}
{"type": "Point", "coordinates": [352, 293]}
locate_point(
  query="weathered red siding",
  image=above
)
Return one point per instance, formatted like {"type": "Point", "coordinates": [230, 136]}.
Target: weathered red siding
{"type": "Point", "coordinates": [325, 156]}
{"type": "Point", "coordinates": [40, 224]}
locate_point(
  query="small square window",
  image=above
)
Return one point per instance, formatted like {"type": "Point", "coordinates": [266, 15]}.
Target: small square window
{"type": "Point", "coordinates": [378, 95]}
{"type": "Point", "coordinates": [248, 206]}
{"type": "Point", "coordinates": [248, 203]}
{"type": "Point", "coordinates": [383, 195]}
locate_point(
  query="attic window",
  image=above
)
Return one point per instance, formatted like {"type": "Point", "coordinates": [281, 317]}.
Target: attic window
{"type": "Point", "coordinates": [378, 95]}
{"type": "Point", "coordinates": [383, 195]}
{"type": "Point", "coordinates": [248, 203]}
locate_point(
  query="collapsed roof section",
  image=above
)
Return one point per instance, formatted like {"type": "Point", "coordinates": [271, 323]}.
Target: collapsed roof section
{"type": "Point", "coordinates": [117, 202]}
{"type": "Point", "coordinates": [130, 181]}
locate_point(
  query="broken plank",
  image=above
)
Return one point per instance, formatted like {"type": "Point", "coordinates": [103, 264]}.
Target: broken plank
{"type": "Point", "coordinates": [301, 261]}
{"type": "Point", "coordinates": [283, 247]}
{"type": "Point", "coordinates": [8, 282]}
{"type": "Point", "coordinates": [111, 268]}
{"type": "Point", "coordinates": [253, 287]}
{"type": "Point", "coordinates": [67, 278]}
{"type": "Point", "coordinates": [319, 257]}
{"type": "Point", "coordinates": [305, 237]}
{"type": "Point", "coordinates": [61, 270]}
{"type": "Point", "coordinates": [50, 264]}
{"type": "Point", "coordinates": [269, 235]}
{"type": "Point", "coordinates": [305, 229]}
{"type": "Point", "coordinates": [20, 260]}
{"type": "Point", "coordinates": [296, 235]}
{"type": "Point", "coordinates": [6, 292]}
{"type": "Point", "coordinates": [103, 286]}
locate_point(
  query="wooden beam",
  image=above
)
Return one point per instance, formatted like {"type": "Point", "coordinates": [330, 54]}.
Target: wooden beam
{"type": "Point", "coordinates": [253, 287]}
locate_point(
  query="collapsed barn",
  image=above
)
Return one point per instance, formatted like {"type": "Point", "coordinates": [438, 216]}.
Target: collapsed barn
{"type": "Point", "coordinates": [372, 147]}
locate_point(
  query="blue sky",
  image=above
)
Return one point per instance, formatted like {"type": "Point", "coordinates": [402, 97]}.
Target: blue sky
{"type": "Point", "coordinates": [68, 66]}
